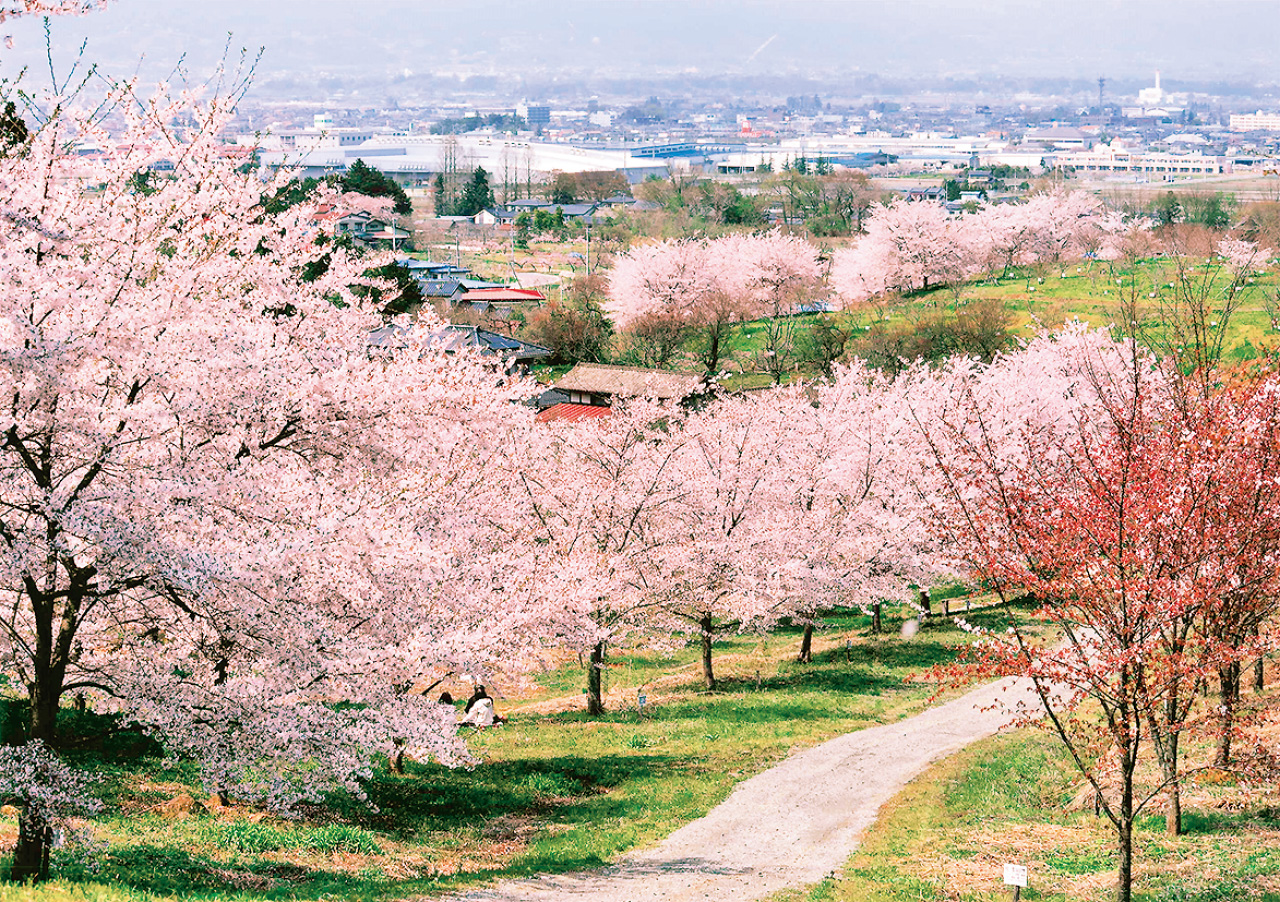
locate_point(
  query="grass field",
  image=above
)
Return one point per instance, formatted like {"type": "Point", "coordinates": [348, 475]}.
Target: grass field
{"type": "Point", "coordinates": [1092, 294]}
{"type": "Point", "coordinates": [1008, 799]}
{"type": "Point", "coordinates": [556, 790]}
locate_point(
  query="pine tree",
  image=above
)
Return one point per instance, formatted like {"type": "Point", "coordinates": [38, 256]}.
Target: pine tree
{"type": "Point", "coordinates": [477, 195]}
{"type": "Point", "coordinates": [442, 205]}
{"type": "Point", "coordinates": [364, 179]}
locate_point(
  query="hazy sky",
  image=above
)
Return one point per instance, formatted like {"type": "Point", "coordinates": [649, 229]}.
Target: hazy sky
{"type": "Point", "coordinates": [1192, 39]}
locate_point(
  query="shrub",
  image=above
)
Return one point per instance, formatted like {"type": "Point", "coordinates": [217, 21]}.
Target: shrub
{"type": "Point", "coordinates": [341, 838]}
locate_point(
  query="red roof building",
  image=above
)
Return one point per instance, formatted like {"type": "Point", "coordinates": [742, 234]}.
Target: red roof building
{"type": "Point", "coordinates": [571, 413]}
{"type": "Point", "coordinates": [502, 296]}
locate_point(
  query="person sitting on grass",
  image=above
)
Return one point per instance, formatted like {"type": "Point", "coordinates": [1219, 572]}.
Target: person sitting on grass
{"type": "Point", "coordinates": [480, 711]}
{"type": "Point", "coordinates": [476, 697]}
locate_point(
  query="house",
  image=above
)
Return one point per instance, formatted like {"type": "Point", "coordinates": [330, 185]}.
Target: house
{"type": "Point", "coordinates": [445, 291]}
{"type": "Point", "coordinates": [496, 216]}
{"type": "Point", "coordinates": [597, 384]}
{"type": "Point", "coordinates": [379, 232]}
{"type": "Point", "coordinates": [478, 284]}
{"type": "Point", "coordinates": [514, 354]}
{"type": "Point", "coordinates": [429, 270]}
{"type": "Point", "coordinates": [360, 225]}
{"type": "Point", "coordinates": [343, 222]}
{"type": "Point", "coordinates": [439, 282]}
{"type": "Point", "coordinates": [499, 300]}
{"type": "Point", "coordinates": [584, 212]}
{"type": "Point", "coordinates": [933, 193]}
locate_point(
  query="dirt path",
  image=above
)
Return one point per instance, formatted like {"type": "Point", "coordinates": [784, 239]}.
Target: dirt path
{"type": "Point", "coordinates": [787, 827]}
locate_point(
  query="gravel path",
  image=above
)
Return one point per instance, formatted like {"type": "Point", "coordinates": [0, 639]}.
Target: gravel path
{"type": "Point", "coordinates": [789, 826]}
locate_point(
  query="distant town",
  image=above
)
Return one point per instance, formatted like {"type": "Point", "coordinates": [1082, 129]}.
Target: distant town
{"type": "Point", "coordinates": [1154, 136]}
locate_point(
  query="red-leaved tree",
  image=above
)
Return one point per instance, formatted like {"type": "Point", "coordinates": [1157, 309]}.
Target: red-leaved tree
{"type": "Point", "coordinates": [1133, 519]}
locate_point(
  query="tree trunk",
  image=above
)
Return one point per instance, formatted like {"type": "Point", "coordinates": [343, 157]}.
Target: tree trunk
{"type": "Point", "coordinates": [876, 626]}
{"type": "Point", "coordinates": [1228, 694]}
{"type": "Point", "coordinates": [1166, 744]}
{"type": "Point", "coordinates": [711, 359]}
{"type": "Point", "coordinates": [1173, 814]}
{"type": "Point", "coordinates": [708, 675]}
{"type": "Point", "coordinates": [1259, 667]}
{"type": "Point", "coordinates": [595, 681]}
{"type": "Point", "coordinates": [806, 645]}
{"type": "Point", "coordinates": [924, 603]}
{"type": "Point", "coordinates": [31, 856]}
{"type": "Point", "coordinates": [1124, 882]}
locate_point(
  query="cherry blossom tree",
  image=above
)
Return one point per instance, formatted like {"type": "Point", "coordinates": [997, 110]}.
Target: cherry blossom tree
{"type": "Point", "coordinates": [221, 511]}
{"type": "Point", "coordinates": [669, 290]}
{"type": "Point", "coordinates": [911, 246]}
{"type": "Point", "coordinates": [1048, 228]}
{"type": "Point", "coordinates": [774, 275]}
{"type": "Point", "coordinates": [600, 502]}
{"type": "Point", "coordinates": [1195, 310]}
{"type": "Point", "coordinates": [1129, 517]}
{"type": "Point", "coordinates": [676, 288]}
{"type": "Point", "coordinates": [907, 247]}
{"type": "Point", "coordinates": [873, 541]}
{"type": "Point", "coordinates": [726, 570]}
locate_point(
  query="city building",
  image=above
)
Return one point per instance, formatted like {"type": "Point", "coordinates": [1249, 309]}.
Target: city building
{"type": "Point", "coordinates": [1255, 122]}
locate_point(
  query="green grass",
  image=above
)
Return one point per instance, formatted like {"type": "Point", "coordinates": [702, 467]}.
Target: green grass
{"type": "Point", "coordinates": [1079, 291]}
{"type": "Point", "coordinates": [553, 793]}
{"type": "Point", "coordinates": [948, 834]}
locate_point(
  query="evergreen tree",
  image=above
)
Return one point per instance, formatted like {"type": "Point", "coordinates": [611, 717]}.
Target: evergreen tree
{"type": "Point", "coordinates": [297, 191]}
{"type": "Point", "coordinates": [440, 190]}
{"type": "Point", "coordinates": [362, 178]}
{"type": "Point", "coordinates": [477, 195]}
{"type": "Point", "coordinates": [13, 130]}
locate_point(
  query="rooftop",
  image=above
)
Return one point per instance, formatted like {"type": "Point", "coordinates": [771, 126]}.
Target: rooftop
{"type": "Point", "coordinates": [569, 413]}
{"type": "Point", "coordinates": [629, 381]}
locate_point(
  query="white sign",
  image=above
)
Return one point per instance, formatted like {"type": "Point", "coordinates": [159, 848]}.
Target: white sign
{"type": "Point", "coordinates": [1015, 875]}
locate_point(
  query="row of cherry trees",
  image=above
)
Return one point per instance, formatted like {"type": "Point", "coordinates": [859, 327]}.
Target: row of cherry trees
{"type": "Point", "coordinates": [1136, 506]}
{"type": "Point", "coordinates": [663, 293]}
{"type": "Point", "coordinates": [917, 246]}
{"type": "Point", "coordinates": [667, 291]}
{"type": "Point", "coordinates": [658, 522]}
